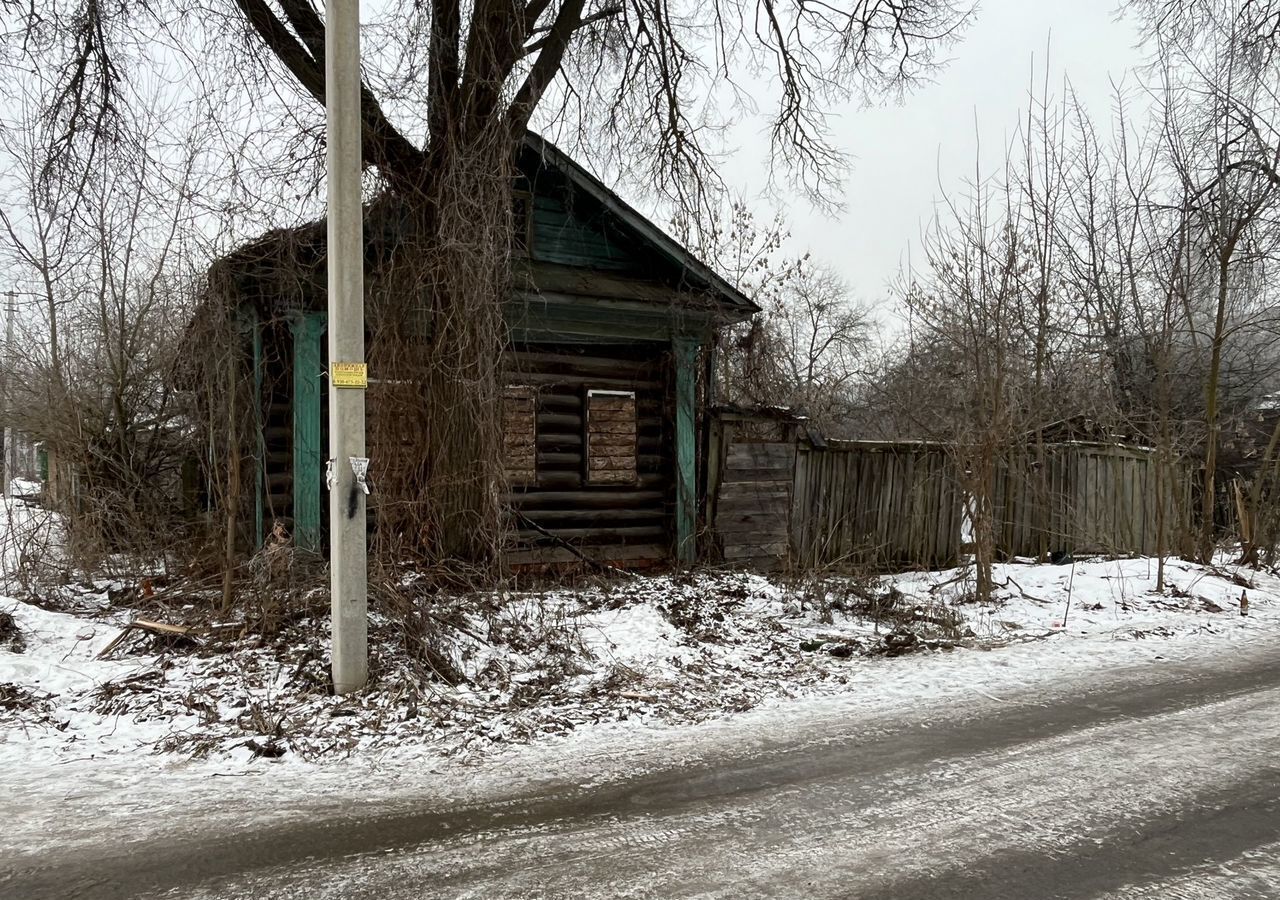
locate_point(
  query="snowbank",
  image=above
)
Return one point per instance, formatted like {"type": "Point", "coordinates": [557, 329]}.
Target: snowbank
{"type": "Point", "coordinates": [566, 684]}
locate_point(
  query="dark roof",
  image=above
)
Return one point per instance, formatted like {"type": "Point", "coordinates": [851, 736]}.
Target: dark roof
{"type": "Point", "coordinates": [259, 260]}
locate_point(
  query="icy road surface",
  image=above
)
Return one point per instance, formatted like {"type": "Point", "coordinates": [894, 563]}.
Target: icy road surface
{"type": "Point", "coordinates": [1163, 788]}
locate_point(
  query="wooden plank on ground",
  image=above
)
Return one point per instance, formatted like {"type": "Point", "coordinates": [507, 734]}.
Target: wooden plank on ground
{"type": "Point", "coordinates": [752, 550]}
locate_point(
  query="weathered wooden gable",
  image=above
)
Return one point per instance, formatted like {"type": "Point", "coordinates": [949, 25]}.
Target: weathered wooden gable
{"type": "Point", "coordinates": [570, 228]}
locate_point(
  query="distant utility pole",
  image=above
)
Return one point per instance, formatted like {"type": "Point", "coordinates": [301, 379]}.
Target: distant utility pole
{"type": "Point", "coordinates": [348, 537]}
{"type": "Point", "coordinates": [9, 313]}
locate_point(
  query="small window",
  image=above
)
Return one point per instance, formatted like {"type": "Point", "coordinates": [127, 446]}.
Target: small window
{"type": "Point", "coordinates": [520, 434]}
{"type": "Point", "coordinates": [611, 437]}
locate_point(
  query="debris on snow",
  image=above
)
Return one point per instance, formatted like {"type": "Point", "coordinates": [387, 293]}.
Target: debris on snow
{"type": "Point", "coordinates": [15, 698]}
{"type": "Point", "coordinates": [490, 670]}
{"type": "Point", "coordinates": [10, 635]}
{"type": "Point", "coordinates": [174, 635]}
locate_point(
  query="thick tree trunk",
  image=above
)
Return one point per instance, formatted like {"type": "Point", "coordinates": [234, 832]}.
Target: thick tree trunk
{"type": "Point", "coordinates": [437, 337]}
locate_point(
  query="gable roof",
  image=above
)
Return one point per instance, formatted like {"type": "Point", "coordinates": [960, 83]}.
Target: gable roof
{"type": "Point", "coordinates": [259, 261]}
{"type": "Point", "coordinates": [645, 229]}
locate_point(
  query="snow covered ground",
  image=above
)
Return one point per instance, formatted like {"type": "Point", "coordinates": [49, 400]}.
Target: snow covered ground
{"type": "Point", "coordinates": [575, 685]}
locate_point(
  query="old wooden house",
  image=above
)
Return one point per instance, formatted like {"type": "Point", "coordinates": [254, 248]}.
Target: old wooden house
{"type": "Point", "coordinates": [608, 320]}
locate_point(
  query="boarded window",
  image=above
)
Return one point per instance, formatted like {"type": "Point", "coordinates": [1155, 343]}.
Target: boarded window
{"type": "Point", "coordinates": [611, 437]}
{"type": "Point", "coordinates": [519, 432]}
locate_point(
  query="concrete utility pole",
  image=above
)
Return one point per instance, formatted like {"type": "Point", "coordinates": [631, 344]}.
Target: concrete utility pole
{"type": "Point", "coordinates": [348, 550]}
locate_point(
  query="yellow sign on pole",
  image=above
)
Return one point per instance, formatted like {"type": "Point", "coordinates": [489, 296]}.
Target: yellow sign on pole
{"type": "Point", "coordinates": [349, 375]}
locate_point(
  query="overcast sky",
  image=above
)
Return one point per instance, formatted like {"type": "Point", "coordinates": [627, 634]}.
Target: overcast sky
{"type": "Point", "coordinates": [906, 155]}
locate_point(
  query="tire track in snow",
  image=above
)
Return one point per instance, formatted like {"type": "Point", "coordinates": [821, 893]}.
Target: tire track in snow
{"type": "Point", "coordinates": [1252, 875]}
{"type": "Point", "coordinates": [1059, 798]}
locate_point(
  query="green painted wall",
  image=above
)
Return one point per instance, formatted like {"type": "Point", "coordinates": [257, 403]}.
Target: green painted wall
{"type": "Point", "coordinates": [571, 228]}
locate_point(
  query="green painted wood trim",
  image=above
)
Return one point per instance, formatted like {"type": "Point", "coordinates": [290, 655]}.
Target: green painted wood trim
{"type": "Point", "coordinates": [686, 359]}
{"type": "Point", "coordinates": [584, 318]}
{"type": "Point", "coordinates": [308, 370]}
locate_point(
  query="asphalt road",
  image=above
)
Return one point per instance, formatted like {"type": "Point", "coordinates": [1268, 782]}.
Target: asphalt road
{"type": "Point", "coordinates": [1168, 789]}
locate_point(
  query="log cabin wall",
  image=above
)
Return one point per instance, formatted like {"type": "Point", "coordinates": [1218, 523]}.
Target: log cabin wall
{"type": "Point", "coordinates": [619, 517]}
{"type": "Point", "coordinates": [602, 300]}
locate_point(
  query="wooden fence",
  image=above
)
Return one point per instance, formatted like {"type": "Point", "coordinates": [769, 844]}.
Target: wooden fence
{"type": "Point", "coordinates": [875, 504]}
{"type": "Point", "coordinates": [1085, 499]}
{"type": "Point", "coordinates": [903, 504]}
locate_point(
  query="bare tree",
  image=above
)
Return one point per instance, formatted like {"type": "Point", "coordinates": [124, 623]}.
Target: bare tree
{"type": "Point", "coordinates": [807, 349]}
{"type": "Point", "coordinates": [1253, 25]}
{"type": "Point", "coordinates": [1224, 163]}
{"type": "Point", "coordinates": [108, 260]}
{"type": "Point", "coordinates": [964, 311]}
{"type": "Point", "coordinates": [450, 88]}
{"type": "Point", "coordinates": [824, 339]}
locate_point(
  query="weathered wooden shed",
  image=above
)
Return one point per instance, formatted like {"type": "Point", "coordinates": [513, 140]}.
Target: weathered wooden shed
{"type": "Point", "coordinates": [608, 318]}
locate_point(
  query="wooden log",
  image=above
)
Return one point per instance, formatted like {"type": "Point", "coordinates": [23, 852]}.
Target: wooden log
{"type": "Point", "coordinates": [559, 459]}
{"type": "Point", "coordinates": [568, 422]}
{"type": "Point", "coordinates": [596, 535]}
{"type": "Point", "coordinates": [571, 479]}
{"type": "Point", "coordinates": [551, 400]}
{"type": "Point", "coordinates": [591, 499]}
{"type": "Point", "coordinates": [562, 441]}
{"type": "Point", "coordinates": [609, 553]}
{"type": "Point", "coordinates": [587, 380]}
{"type": "Point", "coordinates": [521, 361]}
{"type": "Point", "coordinates": [552, 519]}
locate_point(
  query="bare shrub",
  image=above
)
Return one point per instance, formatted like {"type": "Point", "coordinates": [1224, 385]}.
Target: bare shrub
{"type": "Point", "coordinates": [11, 638]}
